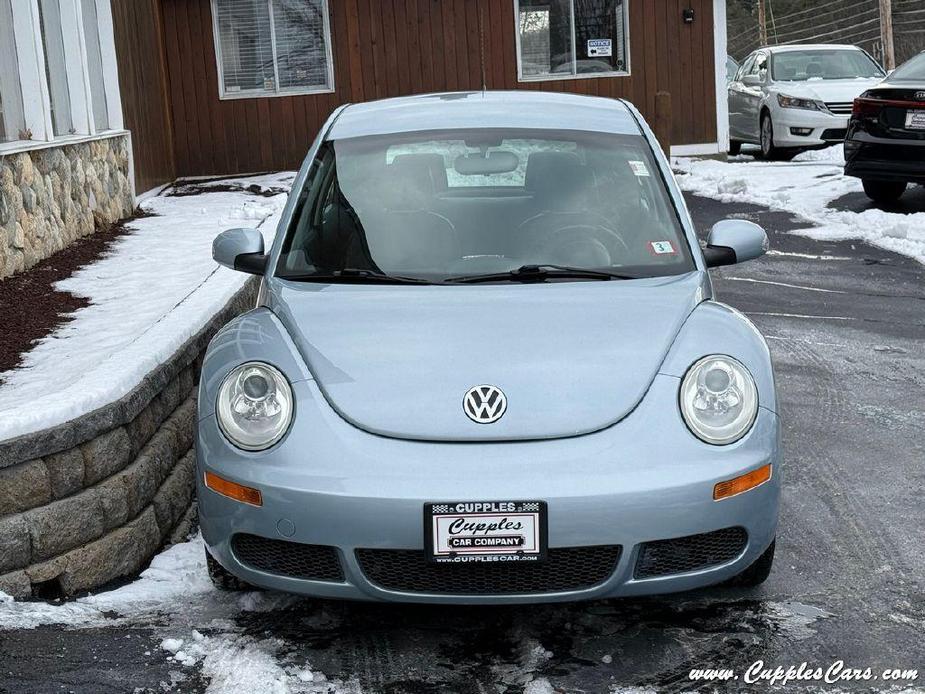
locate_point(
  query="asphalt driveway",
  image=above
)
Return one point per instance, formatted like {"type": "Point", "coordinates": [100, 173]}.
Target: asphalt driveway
{"type": "Point", "coordinates": [846, 325]}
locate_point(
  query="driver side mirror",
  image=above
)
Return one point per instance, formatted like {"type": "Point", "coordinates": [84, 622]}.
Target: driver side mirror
{"type": "Point", "coordinates": [241, 250]}
{"type": "Point", "coordinates": [751, 80]}
{"type": "Point", "coordinates": [734, 241]}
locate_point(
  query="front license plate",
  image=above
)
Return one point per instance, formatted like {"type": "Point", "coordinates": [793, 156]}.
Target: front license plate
{"type": "Point", "coordinates": [485, 531]}
{"type": "Point", "coordinates": [915, 120]}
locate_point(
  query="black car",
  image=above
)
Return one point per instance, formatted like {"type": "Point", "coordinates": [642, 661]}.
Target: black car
{"type": "Point", "coordinates": [885, 145]}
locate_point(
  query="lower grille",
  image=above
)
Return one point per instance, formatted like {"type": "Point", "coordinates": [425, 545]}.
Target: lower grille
{"type": "Point", "coordinates": [564, 569]}
{"type": "Point", "coordinates": [291, 559]}
{"type": "Point", "coordinates": [834, 134]}
{"type": "Point", "coordinates": [691, 553]}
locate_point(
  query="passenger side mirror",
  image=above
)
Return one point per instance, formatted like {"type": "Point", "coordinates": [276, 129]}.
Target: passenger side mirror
{"type": "Point", "coordinates": [734, 241]}
{"type": "Point", "coordinates": [241, 250]}
{"type": "Point", "coordinates": [751, 80]}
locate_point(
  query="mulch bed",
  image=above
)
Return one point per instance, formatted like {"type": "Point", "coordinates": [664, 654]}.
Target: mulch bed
{"type": "Point", "coordinates": [30, 306]}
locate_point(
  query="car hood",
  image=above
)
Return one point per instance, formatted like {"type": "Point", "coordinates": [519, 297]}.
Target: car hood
{"type": "Point", "coordinates": [828, 91]}
{"type": "Point", "coordinates": [571, 357]}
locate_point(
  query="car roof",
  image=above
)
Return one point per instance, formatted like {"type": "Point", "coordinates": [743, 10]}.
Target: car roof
{"type": "Point", "coordinates": [488, 109]}
{"type": "Point", "coordinates": [811, 47]}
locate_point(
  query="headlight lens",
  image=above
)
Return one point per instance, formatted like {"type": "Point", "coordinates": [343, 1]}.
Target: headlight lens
{"type": "Point", "coordinates": [795, 102]}
{"type": "Point", "coordinates": [719, 400]}
{"type": "Point", "coordinates": [254, 406]}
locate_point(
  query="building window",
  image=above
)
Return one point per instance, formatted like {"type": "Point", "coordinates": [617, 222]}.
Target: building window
{"type": "Point", "coordinates": [55, 66]}
{"type": "Point", "coordinates": [12, 122]}
{"type": "Point", "coordinates": [272, 47]}
{"type": "Point", "coordinates": [564, 39]}
{"type": "Point", "coordinates": [91, 26]}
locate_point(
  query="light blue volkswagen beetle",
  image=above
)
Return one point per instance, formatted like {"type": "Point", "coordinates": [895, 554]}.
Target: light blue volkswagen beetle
{"type": "Point", "coordinates": [487, 366]}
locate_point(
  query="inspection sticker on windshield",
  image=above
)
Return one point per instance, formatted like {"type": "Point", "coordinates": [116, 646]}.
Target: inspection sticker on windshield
{"type": "Point", "coordinates": [639, 168]}
{"type": "Point", "coordinates": [661, 248]}
{"type": "Point", "coordinates": [485, 531]}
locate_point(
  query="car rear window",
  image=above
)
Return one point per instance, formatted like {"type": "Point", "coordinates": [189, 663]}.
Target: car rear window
{"type": "Point", "coordinates": [910, 71]}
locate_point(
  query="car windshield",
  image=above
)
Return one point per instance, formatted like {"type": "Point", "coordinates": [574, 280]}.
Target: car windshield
{"type": "Point", "coordinates": [911, 71]}
{"type": "Point", "coordinates": [441, 205]}
{"type": "Point", "coordinates": [800, 66]}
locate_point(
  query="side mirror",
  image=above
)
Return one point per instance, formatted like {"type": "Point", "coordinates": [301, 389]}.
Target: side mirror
{"type": "Point", "coordinates": [734, 241]}
{"type": "Point", "coordinates": [751, 80]}
{"type": "Point", "coordinates": [240, 249]}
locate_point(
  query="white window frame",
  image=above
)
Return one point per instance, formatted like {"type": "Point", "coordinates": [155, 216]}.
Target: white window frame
{"type": "Point", "coordinates": [588, 76]}
{"type": "Point", "coordinates": [256, 94]}
{"type": "Point", "coordinates": [27, 34]}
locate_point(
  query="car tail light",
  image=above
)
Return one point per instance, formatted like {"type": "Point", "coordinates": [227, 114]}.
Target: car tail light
{"type": "Point", "coordinates": [867, 108]}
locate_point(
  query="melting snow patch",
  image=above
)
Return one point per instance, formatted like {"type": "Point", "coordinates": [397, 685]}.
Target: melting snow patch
{"type": "Point", "coordinates": [128, 329]}
{"type": "Point", "coordinates": [805, 187]}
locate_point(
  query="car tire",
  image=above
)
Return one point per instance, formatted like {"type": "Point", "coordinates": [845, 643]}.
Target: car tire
{"type": "Point", "coordinates": [735, 147]}
{"type": "Point", "coordinates": [884, 192]}
{"type": "Point", "coordinates": [757, 573]}
{"type": "Point", "coordinates": [769, 151]}
{"type": "Point", "coordinates": [224, 579]}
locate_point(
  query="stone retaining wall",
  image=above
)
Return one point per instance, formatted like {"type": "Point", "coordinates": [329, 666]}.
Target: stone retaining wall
{"type": "Point", "coordinates": [50, 196]}
{"type": "Point", "coordinates": [92, 500]}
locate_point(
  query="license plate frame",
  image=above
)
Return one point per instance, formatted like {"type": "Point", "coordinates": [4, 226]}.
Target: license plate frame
{"type": "Point", "coordinates": [473, 547]}
{"type": "Point", "coordinates": [915, 120]}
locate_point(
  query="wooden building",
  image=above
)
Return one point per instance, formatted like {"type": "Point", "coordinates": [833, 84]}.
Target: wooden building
{"type": "Point", "coordinates": [213, 87]}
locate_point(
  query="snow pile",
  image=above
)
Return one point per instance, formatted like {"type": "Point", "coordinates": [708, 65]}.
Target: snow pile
{"type": "Point", "coordinates": [805, 187]}
{"type": "Point", "coordinates": [176, 583]}
{"type": "Point", "coordinates": [156, 288]}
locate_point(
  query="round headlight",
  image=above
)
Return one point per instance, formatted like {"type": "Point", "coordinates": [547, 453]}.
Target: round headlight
{"type": "Point", "coordinates": [719, 400]}
{"type": "Point", "coordinates": [254, 406]}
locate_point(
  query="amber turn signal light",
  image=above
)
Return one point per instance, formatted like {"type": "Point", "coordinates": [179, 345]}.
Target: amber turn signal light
{"type": "Point", "coordinates": [750, 480]}
{"type": "Point", "coordinates": [233, 490]}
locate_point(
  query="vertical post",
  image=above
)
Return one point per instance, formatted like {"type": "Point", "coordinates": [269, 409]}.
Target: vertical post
{"type": "Point", "coordinates": [763, 23]}
{"type": "Point", "coordinates": [663, 121]}
{"type": "Point", "coordinates": [886, 34]}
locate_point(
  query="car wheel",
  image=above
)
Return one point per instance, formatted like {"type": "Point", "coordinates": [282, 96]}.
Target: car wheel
{"type": "Point", "coordinates": [757, 573]}
{"type": "Point", "coordinates": [735, 147]}
{"type": "Point", "coordinates": [224, 579]}
{"type": "Point", "coordinates": [768, 149]}
{"type": "Point", "coordinates": [883, 192]}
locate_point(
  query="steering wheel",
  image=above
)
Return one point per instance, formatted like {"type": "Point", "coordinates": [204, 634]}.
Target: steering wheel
{"type": "Point", "coordinates": [585, 245]}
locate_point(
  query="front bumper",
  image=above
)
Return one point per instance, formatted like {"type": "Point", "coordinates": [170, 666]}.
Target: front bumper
{"type": "Point", "coordinates": [644, 479]}
{"type": "Point", "coordinates": [823, 128]}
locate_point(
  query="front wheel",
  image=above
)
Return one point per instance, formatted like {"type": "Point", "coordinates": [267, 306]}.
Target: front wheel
{"type": "Point", "coordinates": [224, 579]}
{"type": "Point", "coordinates": [757, 573]}
{"type": "Point", "coordinates": [884, 192]}
{"type": "Point", "coordinates": [769, 151]}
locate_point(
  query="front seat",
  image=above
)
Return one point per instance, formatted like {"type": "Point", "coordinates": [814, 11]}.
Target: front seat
{"type": "Point", "coordinates": [406, 235]}
{"type": "Point", "coordinates": [563, 193]}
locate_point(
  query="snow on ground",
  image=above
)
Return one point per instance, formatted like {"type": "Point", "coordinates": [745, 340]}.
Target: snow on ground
{"type": "Point", "coordinates": [156, 288]}
{"type": "Point", "coordinates": [805, 187]}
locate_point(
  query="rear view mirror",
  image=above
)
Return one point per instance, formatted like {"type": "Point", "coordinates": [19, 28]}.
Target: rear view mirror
{"type": "Point", "coordinates": [240, 249]}
{"type": "Point", "coordinates": [734, 241]}
{"type": "Point", "coordinates": [494, 163]}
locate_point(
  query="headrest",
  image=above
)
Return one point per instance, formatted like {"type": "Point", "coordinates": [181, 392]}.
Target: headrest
{"type": "Point", "coordinates": [559, 180]}
{"type": "Point", "coordinates": [814, 69]}
{"type": "Point", "coordinates": [430, 165]}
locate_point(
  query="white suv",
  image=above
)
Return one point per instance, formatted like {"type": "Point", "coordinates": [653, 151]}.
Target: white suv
{"type": "Point", "coordinates": [792, 98]}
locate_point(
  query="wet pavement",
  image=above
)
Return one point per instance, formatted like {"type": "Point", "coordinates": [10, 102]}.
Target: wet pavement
{"type": "Point", "coordinates": [846, 325]}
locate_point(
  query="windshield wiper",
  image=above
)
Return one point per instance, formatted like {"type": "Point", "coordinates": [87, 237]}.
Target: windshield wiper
{"type": "Point", "coordinates": [351, 275]}
{"type": "Point", "coordinates": [540, 273]}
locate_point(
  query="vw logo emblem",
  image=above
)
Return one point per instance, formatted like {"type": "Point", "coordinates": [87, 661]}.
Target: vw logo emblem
{"type": "Point", "coordinates": [484, 404]}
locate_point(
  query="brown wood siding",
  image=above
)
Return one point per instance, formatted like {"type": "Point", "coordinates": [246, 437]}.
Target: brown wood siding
{"type": "Point", "coordinates": [138, 30]}
{"type": "Point", "coordinates": [388, 48]}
